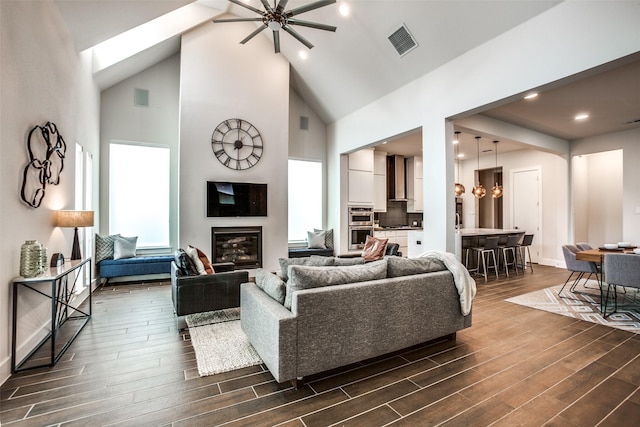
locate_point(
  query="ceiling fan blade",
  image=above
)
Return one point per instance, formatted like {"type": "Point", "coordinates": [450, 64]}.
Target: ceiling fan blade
{"type": "Point", "coordinates": [237, 20]}
{"type": "Point", "coordinates": [307, 8]}
{"type": "Point", "coordinates": [297, 36]}
{"type": "Point", "coordinates": [239, 3]}
{"type": "Point", "coordinates": [266, 5]}
{"type": "Point", "coordinates": [281, 5]}
{"type": "Point", "coordinates": [276, 41]}
{"type": "Point", "coordinates": [255, 33]}
{"type": "Point", "coordinates": [311, 25]}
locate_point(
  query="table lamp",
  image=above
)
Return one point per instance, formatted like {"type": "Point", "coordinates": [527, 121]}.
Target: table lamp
{"type": "Point", "coordinates": [74, 219]}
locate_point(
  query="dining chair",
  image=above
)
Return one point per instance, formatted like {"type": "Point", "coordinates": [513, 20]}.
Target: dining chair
{"type": "Point", "coordinates": [576, 266]}
{"type": "Point", "coordinates": [621, 270]}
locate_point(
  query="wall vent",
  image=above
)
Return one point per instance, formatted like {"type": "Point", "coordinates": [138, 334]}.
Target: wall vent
{"type": "Point", "coordinates": [141, 97]}
{"type": "Point", "coordinates": [402, 40]}
{"type": "Point", "coordinates": [304, 123]}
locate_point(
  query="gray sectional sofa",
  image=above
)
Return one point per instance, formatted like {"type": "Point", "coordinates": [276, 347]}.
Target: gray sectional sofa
{"type": "Point", "coordinates": [336, 318]}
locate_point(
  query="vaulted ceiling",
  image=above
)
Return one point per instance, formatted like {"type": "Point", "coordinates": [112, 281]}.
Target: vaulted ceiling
{"type": "Point", "coordinates": [357, 64]}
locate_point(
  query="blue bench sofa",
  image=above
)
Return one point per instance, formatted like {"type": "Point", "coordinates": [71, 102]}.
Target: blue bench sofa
{"type": "Point", "coordinates": [136, 266]}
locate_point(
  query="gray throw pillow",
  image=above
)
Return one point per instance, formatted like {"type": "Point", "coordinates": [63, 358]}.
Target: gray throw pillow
{"type": "Point", "coordinates": [317, 261]}
{"type": "Point", "coordinates": [399, 266]}
{"type": "Point", "coordinates": [271, 284]}
{"type": "Point", "coordinates": [328, 237]}
{"type": "Point", "coordinates": [308, 277]}
{"type": "Point", "coordinates": [104, 247]}
{"type": "Point", "coordinates": [124, 247]}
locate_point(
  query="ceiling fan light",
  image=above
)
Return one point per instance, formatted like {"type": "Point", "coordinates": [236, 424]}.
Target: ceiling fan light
{"type": "Point", "coordinates": [274, 25]}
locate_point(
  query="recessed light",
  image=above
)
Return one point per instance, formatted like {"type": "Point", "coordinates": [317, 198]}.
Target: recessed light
{"type": "Point", "coordinates": [531, 95]}
{"type": "Point", "coordinates": [461, 155]}
{"type": "Point", "coordinates": [344, 9]}
{"type": "Point", "coordinates": [581, 116]}
{"type": "Point", "coordinates": [303, 55]}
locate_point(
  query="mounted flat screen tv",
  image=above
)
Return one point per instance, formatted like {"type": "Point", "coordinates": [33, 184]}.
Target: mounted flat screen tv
{"type": "Point", "coordinates": [233, 199]}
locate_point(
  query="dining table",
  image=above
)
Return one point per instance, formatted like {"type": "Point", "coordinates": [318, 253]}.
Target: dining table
{"type": "Point", "coordinates": [597, 255]}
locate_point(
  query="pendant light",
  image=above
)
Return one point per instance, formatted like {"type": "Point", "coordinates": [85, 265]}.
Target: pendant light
{"type": "Point", "coordinates": [479, 191]}
{"type": "Point", "coordinates": [458, 188]}
{"type": "Point", "coordinates": [496, 191]}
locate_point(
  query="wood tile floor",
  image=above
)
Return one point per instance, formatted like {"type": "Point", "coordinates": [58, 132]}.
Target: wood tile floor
{"type": "Point", "coordinates": [514, 366]}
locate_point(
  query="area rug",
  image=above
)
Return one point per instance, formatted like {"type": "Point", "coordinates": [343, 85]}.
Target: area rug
{"type": "Point", "coordinates": [219, 342]}
{"type": "Point", "coordinates": [584, 304]}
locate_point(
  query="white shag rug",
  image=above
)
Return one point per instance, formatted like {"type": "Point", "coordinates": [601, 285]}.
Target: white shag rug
{"type": "Point", "coordinates": [219, 342]}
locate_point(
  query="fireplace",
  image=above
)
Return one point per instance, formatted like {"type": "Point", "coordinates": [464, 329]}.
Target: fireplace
{"type": "Point", "coordinates": [240, 245]}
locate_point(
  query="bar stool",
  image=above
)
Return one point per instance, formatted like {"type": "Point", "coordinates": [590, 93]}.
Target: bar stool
{"type": "Point", "coordinates": [486, 252]}
{"type": "Point", "coordinates": [511, 246]}
{"type": "Point", "coordinates": [523, 248]}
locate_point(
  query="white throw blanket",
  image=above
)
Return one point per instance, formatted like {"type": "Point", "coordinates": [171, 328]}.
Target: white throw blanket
{"type": "Point", "coordinates": [464, 282]}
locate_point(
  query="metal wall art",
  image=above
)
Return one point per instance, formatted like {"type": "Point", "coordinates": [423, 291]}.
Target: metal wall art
{"type": "Point", "coordinates": [46, 149]}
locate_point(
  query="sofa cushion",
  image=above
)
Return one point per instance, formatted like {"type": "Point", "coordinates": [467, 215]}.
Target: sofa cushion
{"type": "Point", "coordinates": [308, 277]}
{"type": "Point", "coordinates": [104, 247]}
{"type": "Point", "coordinates": [271, 284]}
{"type": "Point", "coordinates": [374, 248]}
{"type": "Point", "coordinates": [337, 261]}
{"type": "Point", "coordinates": [317, 261]}
{"type": "Point", "coordinates": [398, 266]}
{"type": "Point", "coordinates": [184, 263]}
{"type": "Point", "coordinates": [124, 247]}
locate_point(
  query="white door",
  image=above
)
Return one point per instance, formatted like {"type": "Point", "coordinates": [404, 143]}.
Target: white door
{"type": "Point", "coordinates": [527, 206]}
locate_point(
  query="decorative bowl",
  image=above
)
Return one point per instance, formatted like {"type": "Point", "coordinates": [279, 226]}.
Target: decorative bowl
{"type": "Point", "coordinates": [624, 244]}
{"type": "Point", "coordinates": [610, 246]}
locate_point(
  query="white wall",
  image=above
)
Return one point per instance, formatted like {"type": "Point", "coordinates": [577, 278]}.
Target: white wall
{"type": "Point", "coordinates": [565, 40]}
{"type": "Point", "coordinates": [42, 78]}
{"type": "Point", "coordinates": [222, 79]}
{"type": "Point", "coordinates": [158, 124]}
{"type": "Point", "coordinates": [626, 141]}
{"type": "Point", "coordinates": [310, 144]}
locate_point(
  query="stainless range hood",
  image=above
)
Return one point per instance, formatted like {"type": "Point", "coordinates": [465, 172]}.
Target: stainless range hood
{"type": "Point", "coordinates": [395, 178]}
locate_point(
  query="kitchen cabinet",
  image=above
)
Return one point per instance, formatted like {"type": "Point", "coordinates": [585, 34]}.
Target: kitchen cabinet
{"type": "Point", "coordinates": [361, 182]}
{"type": "Point", "coordinates": [395, 236]}
{"type": "Point", "coordinates": [379, 181]}
{"type": "Point", "coordinates": [415, 197]}
{"type": "Point", "coordinates": [414, 243]}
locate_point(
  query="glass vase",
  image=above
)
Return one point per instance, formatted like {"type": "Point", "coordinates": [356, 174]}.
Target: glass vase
{"type": "Point", "coordinates": [30, 258]}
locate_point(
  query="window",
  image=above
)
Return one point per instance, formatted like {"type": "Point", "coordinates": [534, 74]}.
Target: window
{"type": "Point", "coordinates": [139, 193]}
{"type": "Point", "coordinates": [305, 198]}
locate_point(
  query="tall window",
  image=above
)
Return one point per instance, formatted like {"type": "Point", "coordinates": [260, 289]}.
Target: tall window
{"type": "Point", "coordinates": [139, 193]}
{"type": "Point", "coordinates": [305, 198]}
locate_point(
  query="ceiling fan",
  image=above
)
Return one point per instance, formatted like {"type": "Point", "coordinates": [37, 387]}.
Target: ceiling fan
{"type": "Point", "coordinates": [276, 18]}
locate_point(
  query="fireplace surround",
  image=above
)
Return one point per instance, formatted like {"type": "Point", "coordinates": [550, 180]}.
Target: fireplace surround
{"type": "Point", "coordinates": [240, 245]}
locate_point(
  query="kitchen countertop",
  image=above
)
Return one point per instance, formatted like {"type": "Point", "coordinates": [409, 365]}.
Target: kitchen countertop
{"type": "Point", "coordinates": [404, 227]}
{"type": "Point", "coordinates": [467, 232]}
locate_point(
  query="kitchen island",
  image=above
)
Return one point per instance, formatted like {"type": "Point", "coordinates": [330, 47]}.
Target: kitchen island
{"type": "Point", "coordinates": [475, 237]}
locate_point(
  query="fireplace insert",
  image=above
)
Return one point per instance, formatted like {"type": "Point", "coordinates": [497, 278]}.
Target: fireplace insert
{"type": "Point", "coordinates": [240, 245]}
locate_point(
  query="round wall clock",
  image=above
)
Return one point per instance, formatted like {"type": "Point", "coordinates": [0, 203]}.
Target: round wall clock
{"type": "Point", "coordinates": [237, 144]}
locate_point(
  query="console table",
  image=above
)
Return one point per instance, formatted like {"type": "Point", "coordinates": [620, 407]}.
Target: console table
{"type": "Point", "coordinates": [57, 284]}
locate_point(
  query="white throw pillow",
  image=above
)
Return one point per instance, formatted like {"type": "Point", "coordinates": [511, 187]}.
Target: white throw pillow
{"type": "Point", "coordinates": [315, 240]}
{"type": "Point", "coordinates": [124, 247]}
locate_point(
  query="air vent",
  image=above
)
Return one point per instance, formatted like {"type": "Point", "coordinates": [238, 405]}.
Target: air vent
{"type": "Point", "coordinates": [402, 40]}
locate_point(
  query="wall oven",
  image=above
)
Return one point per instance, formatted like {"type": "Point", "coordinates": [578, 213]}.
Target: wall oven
{"type": "Point", "coordinates": [360, 226]}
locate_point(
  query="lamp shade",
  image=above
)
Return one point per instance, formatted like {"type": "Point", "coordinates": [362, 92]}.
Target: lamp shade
{"type": "Point", "coordinates": [74, 218]}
